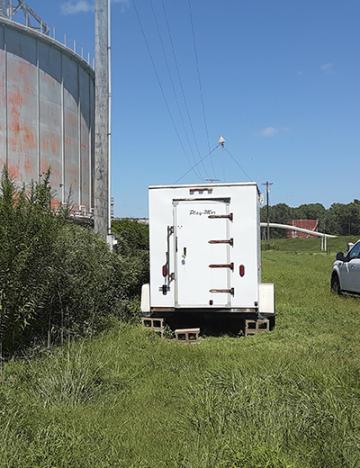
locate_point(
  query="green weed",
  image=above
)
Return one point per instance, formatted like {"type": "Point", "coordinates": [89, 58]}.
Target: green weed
{"type": "Point", "coordinates": [127, 398]}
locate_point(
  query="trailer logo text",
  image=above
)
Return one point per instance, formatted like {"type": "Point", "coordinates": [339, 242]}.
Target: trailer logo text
{"type": "Point", "coordinates": [201, 213]}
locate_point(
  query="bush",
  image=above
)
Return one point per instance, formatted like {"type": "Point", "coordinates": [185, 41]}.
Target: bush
{"type": "Point", "coordinates": [133, 247]}
{"type": "Point", "coordinates": [133, 237]}
{"type": "Point", "coordinates": [56, 279]}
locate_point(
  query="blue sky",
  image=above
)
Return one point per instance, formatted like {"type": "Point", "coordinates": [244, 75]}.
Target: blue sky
{"type": "Point", "coordinates": [280, 80]}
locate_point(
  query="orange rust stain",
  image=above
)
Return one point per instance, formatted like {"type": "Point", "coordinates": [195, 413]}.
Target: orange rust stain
{"type": "Point", "coordinates": [50, 143]}
{"type": "Point", "coordinates": [44, 144]}
{"type": "Point", "coordinates": [28, 165]}
{"type": "Point", "coordinates": [14, 171]}
{"type": "Point", "coordinates": [29, 139]}
{"type": "Point", "coordinates": [23, 68]}
{"type": "Point", "coordinates": [56, 173]}
{"type": "Point", "coordinates": [44, 166]}
{"type": "Point", "coordinates": [55, 203]}
{"type": "Point", "coordinates": [54, 170]}
{"type": "Point", "coordinates": [22, 137]}
{"type": "Point", "coordinates": [27, 88]}
{"type": "Point", "coordinates": [55, 145]}
{"type": "Point", "coordinates": [23, 72]}
{"type": "Point", "coordinates": [16, 98]}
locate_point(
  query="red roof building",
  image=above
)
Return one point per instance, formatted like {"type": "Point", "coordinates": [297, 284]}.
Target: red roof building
{"type": "Point", "coordinates": [311, 224]}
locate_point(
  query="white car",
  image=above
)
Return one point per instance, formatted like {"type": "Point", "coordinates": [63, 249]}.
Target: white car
{"type": "Point", "coordinates": [345, 275]}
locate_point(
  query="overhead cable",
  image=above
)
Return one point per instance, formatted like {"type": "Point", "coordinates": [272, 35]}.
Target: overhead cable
{"type": "Point", "coordinates": [181, 83]}
{"type": "Point", "coordinates": [236, 161]}
{"type": "Point", "coordinates": [196, 55]}
{"type": "Point", "coordinates": [199, 162]}
{"type": "Point", "coordinates": [158, 77]}
{"type": "Point", "coordinates": [168, 68]}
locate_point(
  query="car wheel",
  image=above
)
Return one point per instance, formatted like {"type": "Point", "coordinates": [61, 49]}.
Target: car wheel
{"type": "Point", "coordinates": [335, 284]}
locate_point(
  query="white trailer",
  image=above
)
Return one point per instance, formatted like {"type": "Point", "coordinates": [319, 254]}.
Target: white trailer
{"type": "Point", "coordinates": [205, 252]}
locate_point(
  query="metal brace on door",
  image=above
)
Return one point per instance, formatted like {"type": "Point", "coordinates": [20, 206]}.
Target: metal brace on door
{"type": "Point", "coordinates": [169, 277]}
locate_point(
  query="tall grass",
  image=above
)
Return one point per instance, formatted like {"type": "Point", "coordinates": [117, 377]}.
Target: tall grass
{"type": "Point", "coordinates": [128, 398]}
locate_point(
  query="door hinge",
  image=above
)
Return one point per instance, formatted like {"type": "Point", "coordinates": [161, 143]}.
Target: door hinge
{"type": "Point", "coordinates": [225, 291]}
{"type": "Point", "coordinates": [230, 242]}
{"type": "Point", "coordinates": [223, 265]}
{"type": "Point", "coordinates": [228, 216]}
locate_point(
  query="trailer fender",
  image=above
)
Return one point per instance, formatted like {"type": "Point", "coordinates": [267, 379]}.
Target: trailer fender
{"type": "Point", "coordinates": [266, 298]}
{"type": "Point", "coordinates": [145, 298]}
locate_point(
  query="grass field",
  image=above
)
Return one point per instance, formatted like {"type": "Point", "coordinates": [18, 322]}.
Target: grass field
{"type": "Point", "coordinates": [130, 399]}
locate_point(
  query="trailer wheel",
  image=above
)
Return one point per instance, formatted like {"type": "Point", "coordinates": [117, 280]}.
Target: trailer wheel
{"type": "Point", "coordinates": [335, 284]}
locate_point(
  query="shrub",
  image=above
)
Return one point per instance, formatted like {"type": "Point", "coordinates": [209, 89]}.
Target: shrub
{"type": "Point", "coordinates": [133, 237]}
{"type": "Point", "coordinates": [133, 247]}
{"type": "Point", "coordinates": [56, 279]}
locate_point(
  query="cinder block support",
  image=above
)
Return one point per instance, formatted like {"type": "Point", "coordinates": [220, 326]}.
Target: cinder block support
{"type": "Point", "coordinates": [156, 324]}
{"type": "Point", "coordinates": [187, 334]}
{"type": "Point", "coordinates": [255, 327]}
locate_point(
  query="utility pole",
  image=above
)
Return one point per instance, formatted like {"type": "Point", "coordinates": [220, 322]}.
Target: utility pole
{"type": "Point", "coordinates": [102, 212]}
{"type": "Point", "coordinates": [267, 188]}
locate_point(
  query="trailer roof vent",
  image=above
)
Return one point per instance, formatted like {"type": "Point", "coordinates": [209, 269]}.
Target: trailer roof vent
{"type": "Point", "coordinates": [201, 190]}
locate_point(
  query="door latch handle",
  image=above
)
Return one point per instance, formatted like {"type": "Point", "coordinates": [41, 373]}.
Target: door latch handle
{"type": "Point", "coordinates": [183, 257]}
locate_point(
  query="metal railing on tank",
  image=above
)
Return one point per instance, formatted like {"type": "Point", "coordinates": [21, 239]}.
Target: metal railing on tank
{"type": "Point", "coordinates": [19, 10]}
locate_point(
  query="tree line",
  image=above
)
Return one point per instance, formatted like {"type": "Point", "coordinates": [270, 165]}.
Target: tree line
{"type": "Point", "coordinates": [339, 218]}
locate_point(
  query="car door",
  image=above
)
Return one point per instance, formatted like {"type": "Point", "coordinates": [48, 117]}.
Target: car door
{"type": "Point", "coordinates": [353, 283]}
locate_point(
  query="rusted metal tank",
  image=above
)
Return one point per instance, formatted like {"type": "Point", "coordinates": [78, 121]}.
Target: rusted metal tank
{"type": "Point", "coordinates": [46, 113]}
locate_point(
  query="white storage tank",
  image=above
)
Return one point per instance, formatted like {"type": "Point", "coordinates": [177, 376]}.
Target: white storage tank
{"type": "Point", "coordinates": [47, 113]}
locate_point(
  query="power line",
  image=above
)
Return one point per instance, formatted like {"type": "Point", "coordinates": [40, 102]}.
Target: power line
{"type": "Point", "coordinates": [237, 163]}
{"type": "Point", "coordinates": [199, 77]}
{"type": "Point", "coordinates": [199, 162]}
{"type": "Point", "coordinates": [182, 88]}
{"type": "Point", "coordinates": [158, 77]}
{"type": "Point", "coordinates": [173, 85]}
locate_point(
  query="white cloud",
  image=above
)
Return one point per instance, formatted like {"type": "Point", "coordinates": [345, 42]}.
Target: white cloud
{"type": "Point", "coordinates": [73, 7]}
{"type": "Point", "coordinates": [327, 67]}
{"type": "Point", "coordinates": [268, 132]}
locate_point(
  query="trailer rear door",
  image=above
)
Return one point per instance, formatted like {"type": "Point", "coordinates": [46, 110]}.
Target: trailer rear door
{"type": "Point", "coordinates": [202, 253]}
